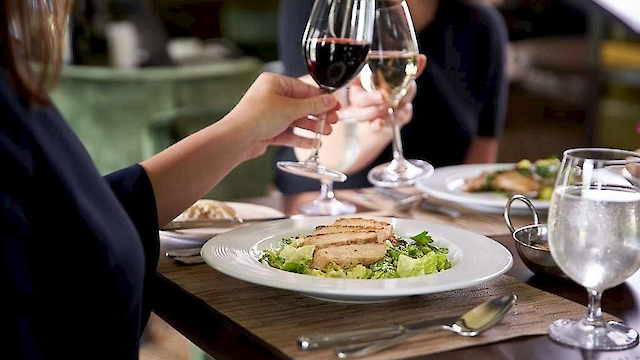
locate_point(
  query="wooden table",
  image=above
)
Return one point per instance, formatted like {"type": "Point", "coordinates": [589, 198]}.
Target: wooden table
{"type": "Point", "coordinates": [223, 338]}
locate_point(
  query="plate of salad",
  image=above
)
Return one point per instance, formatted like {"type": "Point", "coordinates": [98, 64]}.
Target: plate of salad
{"type": "Point", "coordinates": [460, 258]}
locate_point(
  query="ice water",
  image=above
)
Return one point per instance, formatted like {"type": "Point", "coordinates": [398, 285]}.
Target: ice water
{"type": "Point", "coordinates": [594, 234]}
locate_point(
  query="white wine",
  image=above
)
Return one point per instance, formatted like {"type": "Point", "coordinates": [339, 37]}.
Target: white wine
{"type": "Point", "coordinates": [594, 234]}
{"type": "Point", "coordinates": [390, 72]}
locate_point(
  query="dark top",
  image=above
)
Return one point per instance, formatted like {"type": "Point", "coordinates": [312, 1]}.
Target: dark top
{"type": "Point", "coordinates": [78, 250]}
{"type": "Point", "coordinates": [462, 93]}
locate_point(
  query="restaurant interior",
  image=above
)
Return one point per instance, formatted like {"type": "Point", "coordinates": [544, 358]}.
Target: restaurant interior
{"type": "Point", "coordinates": [574, 81]}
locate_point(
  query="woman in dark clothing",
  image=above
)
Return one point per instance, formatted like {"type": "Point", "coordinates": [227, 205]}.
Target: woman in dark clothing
{"type": "Point", "coordinates": [79, 251]}
{"type": "Point", "coordinates": [459, 109]}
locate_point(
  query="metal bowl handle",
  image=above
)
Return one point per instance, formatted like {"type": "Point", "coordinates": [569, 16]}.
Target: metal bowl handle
{"type": "Point", "coordinates": [507, 211]}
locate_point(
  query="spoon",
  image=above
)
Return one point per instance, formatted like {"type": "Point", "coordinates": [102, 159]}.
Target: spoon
{"type": "Point", "coordinates": [472, 323]}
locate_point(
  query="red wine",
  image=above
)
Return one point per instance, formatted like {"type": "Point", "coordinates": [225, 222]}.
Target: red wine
{"type": "Point", "coordinates": [333, 62]}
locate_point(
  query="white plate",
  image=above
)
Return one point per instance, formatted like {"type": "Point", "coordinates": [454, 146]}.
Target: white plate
{"type": "Point", "coordinates": [475, 259]}
{"type": "Point", "coordinates": [447, 181]}
{"type": "Point", "coordinates": [243, 211]}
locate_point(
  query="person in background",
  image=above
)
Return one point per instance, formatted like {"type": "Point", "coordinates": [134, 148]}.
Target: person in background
{"type": "Point", "coordinates": [78, 250]}
{"type": "Point", "coordinates": [460, 104]}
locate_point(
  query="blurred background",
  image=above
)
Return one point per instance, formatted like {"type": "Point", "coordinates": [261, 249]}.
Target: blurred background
{"type": "Point", "coordinates": [575, 74]}
{"type": "Point", "coordinates": [141, 74]}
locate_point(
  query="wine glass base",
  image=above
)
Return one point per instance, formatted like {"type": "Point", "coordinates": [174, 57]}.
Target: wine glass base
{"type": "Point", "coordinates": [328, 207]}
{"type": "Point", "coordinates": [394, 175]}
{"type": "Point", "coordinates": [311, 170]}
{"type": "Point", "coordinates": [579, 333]}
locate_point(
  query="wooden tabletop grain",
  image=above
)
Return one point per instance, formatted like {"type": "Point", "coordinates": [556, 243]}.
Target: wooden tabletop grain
{"type": "Point", "coordinates": [224, 338]}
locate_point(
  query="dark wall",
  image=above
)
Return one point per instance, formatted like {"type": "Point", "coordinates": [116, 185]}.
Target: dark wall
{"type": "Point", "coordinates": [538, 18]}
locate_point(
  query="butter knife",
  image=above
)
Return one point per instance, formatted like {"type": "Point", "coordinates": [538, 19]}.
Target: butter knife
{"type": "Point", "coordinates": [323, 340]}
{"type": "Point", "coordinates": [217, 223]}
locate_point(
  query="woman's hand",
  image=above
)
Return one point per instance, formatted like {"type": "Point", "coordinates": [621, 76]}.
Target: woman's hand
{"type": "Point", "coordinates": [372, 106]}
{"type": "Point", "coordinates": [275, 104]}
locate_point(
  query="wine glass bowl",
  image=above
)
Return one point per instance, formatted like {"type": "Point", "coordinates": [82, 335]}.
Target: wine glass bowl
{"type": "Point", "coordinates": [594, 237]}
{"type": "Point", "coordinates": [392, 64]}
{"type": "Point", "coordinates": [335, 44]}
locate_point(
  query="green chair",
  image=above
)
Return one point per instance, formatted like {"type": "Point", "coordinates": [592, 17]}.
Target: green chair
{"type": "Point", "coordinates": [250, 179]}
{"type": "Point", "coordinates": [110, 109]}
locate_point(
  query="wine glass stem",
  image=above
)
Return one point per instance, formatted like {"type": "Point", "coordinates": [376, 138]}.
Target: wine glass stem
{"type": "Point", "coordinates": [327, 189]}
{"type": "Point", "coordinates": [316, 143]}
{"type": "Point", "coordinates": [396, 141]}
{"type": "Point", "coordinates": [594, 308]}
{"type": "Point", "coordinates": [314, 157]}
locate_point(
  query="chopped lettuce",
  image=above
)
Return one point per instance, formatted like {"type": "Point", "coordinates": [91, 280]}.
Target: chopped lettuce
{"type": "Point", "coordinates": [413, 256]}
{"type": "Point", "coordinates": [427, 264]}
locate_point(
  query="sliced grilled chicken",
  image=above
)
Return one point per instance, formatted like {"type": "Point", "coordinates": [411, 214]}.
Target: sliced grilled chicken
{"type": "Point", "coordinates": [348, 256]}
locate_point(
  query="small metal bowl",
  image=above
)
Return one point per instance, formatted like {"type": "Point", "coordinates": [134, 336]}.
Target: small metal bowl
{"type": "Point", "coordinates": [531, 243]}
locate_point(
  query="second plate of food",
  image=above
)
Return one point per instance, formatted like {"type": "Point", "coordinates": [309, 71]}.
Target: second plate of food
{"type": "Point", "coordinates": [218, 209]}
{"type": "Point", "coordinates": [448, 183]}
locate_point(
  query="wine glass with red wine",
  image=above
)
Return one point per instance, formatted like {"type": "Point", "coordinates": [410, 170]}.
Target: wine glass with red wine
{"type": "Point", "coordinates": [335, 44]}
{"type": "Point", "coordinates": [391, 66]}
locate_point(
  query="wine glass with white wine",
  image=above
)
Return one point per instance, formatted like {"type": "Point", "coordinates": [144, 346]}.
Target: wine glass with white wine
{"type": "Point", "coordinates": [391, 66]}
{"type": "Point", "coordinates": [594, 237]}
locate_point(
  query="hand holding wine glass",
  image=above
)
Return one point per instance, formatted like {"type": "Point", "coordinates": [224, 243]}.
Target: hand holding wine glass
{"type": "Point", "coordinates": [335, 45]}
{"type": "Point", "coordinates": [594, 237]}
{"type": "Point", "coordinates": [392, 64]}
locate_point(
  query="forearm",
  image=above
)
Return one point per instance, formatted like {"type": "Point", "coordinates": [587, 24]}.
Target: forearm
{"type": "Point", "coordinates": [186, 171]}
{"type": "Point", "coordinates": [422, 12]}
{"type": "Point", "coordinates": [482, 150]}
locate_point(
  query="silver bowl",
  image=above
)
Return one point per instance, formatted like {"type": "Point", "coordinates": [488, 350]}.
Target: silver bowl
{"type": "Point", "coordinates": [531, 243]}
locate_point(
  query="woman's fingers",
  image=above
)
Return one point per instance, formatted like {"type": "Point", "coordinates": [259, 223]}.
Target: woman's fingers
{"type": "Point", "coordinates": [289, 138]}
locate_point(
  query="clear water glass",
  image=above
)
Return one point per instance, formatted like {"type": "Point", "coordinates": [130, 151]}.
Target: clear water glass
{"type": "Point", "coordinates": [594, 237]}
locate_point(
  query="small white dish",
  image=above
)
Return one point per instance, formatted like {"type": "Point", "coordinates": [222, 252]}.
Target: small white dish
{"type": "Point", "coordinates": [475, 258]}
{"type": "Point", "coordinates": [243, 211]}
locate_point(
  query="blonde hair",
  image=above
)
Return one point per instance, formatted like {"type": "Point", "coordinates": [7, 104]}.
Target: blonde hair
{"type": "Point", "coordinates": [32, 32]}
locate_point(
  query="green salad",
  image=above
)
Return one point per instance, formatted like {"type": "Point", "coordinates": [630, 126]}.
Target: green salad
{"type": "Point", "coordinates": [406, 257]}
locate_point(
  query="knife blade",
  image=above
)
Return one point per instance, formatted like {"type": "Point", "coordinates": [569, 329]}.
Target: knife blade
{"type": "Point", "coordinates": [217, 223]}
{"type": "Point", "coordinates": [424, 203]}
{"type": "Point", "coordinates": [439, 209]}
{"type": "Point", "coordinates": [323, 340]}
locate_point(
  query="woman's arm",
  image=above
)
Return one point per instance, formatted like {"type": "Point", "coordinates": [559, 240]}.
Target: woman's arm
{"type": "Point", "coordinates": [185, 171]}
{"type": "Point", "coordinates": [422, 12]}
{"type": "Point", "coordinates": [482, 150]}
